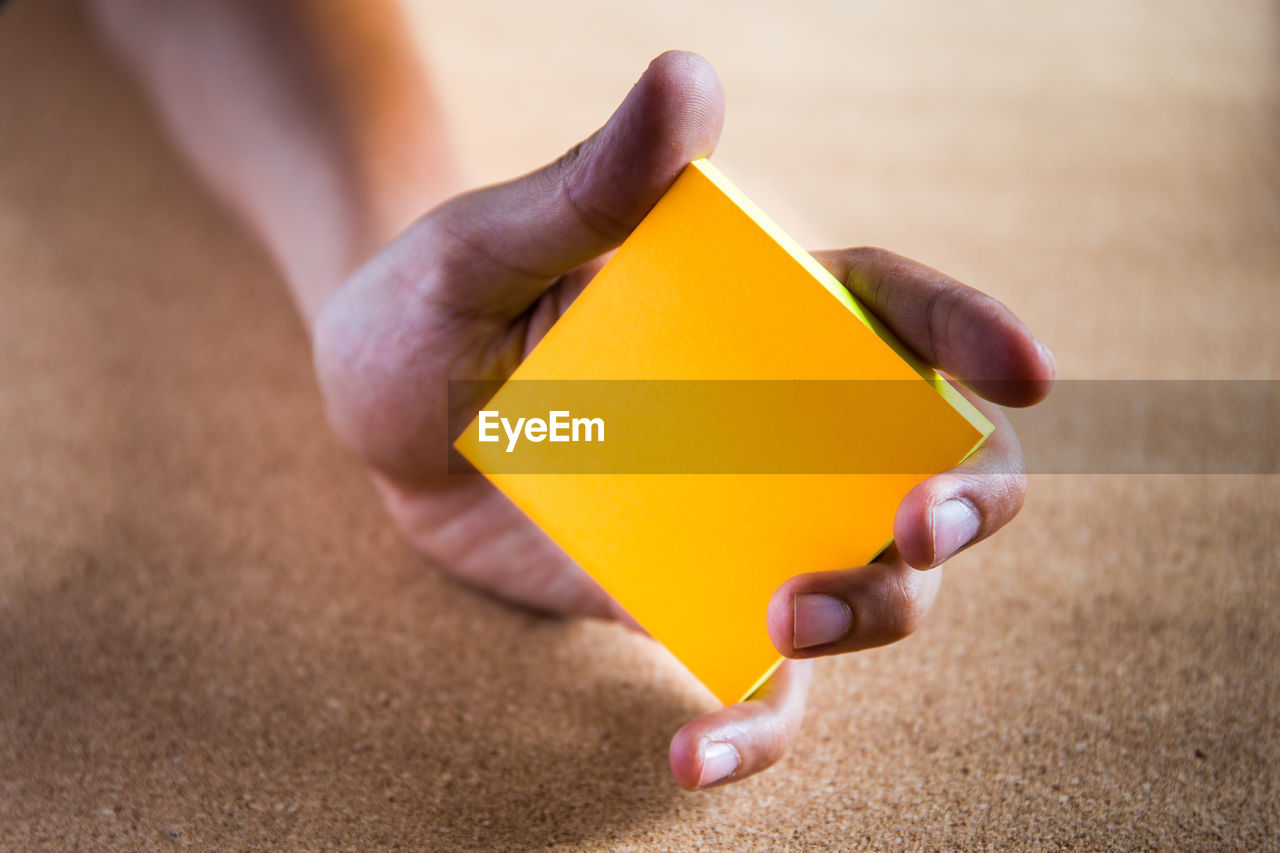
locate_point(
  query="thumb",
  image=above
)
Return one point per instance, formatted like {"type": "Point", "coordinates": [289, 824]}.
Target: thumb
{"type": "Point", "coordinates": [516, 238]}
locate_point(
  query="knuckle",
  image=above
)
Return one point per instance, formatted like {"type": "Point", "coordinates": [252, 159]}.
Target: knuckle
{"type": "Point", "coordinates": [1015, 490]}
{"type": "Point", "coordinates": [997, 496]}
{"type": "Point", "coordinates": [565, 165]}
{"type": "Point", "coordinates": [868, 254]}
{"type": "Point", "coordinates": [1004, 498]}
{"type": "Point", "coordinates": [592, 214]}
{"type": "Point", "coordinates": [906, 607]}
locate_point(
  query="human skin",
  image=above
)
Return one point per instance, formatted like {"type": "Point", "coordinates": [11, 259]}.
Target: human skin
{"type": "Point", "coordinates": [315, 122]}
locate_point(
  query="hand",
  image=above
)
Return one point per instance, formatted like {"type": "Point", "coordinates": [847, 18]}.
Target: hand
{"type": "Point", "coordinates": [470, 288]}
{"type": "Point", "coordinates": [966, 334]}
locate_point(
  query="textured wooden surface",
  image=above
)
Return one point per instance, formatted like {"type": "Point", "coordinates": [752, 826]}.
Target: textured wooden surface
{"type": "Point", "coordinates": [211, 638]}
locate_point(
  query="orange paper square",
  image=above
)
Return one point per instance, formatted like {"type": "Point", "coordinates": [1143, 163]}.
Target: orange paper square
{"type": "Point", "coordinates": [708, 288]}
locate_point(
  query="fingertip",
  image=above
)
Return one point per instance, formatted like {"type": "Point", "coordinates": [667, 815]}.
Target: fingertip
{"type": "Point", "coordinates": [703, 755]}
{"type": "Point", "coordinates": [911, 533]}
{"type": "Point", "coordinates": [1048, 368]}
{"type": "Point", "coordinates": [809, 616]}
{"type": "Point", "coordinates": [1020, 369]}
{"type": "Point", "coordinates": [686, 76]}
{"type": "Point", "coordinates": [683, 757]}
{"type": "Point", "coordinates": [672, 115]}
{"type": "Point", "coordinates": [740, 740]}
{"type": "Point", "coordinates": [681, 95]}
{"type": "Point", "coordinates": [780, 619]}
{"type": "Point", "coordinates": [1038, 370]}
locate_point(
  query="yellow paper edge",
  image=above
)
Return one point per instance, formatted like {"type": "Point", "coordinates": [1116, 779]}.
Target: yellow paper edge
{"type": "Point", "coordinates": [768, 673]}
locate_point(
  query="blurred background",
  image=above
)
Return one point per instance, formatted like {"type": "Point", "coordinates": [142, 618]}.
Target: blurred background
{"type": "Point", "coordinates": [1107, 169]}
{"type": "Point", "coordinates": [210, 636]}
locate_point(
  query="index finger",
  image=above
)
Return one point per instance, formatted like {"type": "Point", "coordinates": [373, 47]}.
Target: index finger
{"type": "Point", "coordinates": [963, 331]}
{"type": "Point", "coordinates": [742, 739]}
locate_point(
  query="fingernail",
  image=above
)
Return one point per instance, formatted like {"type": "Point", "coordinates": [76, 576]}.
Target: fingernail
{"type": "Point", "coordinates": [719, 761]}
{"type": "Point", "coordinates": [954, 525]}
{"type": "Point", "coordinates": [819, 619]}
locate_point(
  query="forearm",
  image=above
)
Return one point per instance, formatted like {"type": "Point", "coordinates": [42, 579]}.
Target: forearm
{"type": "Point", "coordinates": [313, 121]}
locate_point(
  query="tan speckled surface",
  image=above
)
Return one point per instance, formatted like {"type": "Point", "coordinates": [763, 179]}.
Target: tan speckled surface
{"type": "Point", "coordinates": [211, 638]}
